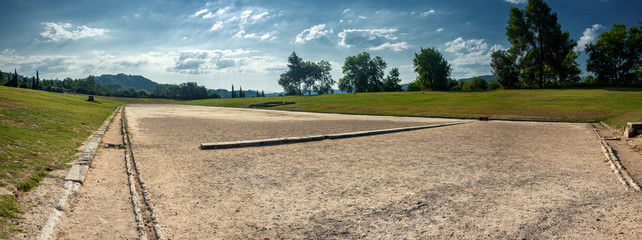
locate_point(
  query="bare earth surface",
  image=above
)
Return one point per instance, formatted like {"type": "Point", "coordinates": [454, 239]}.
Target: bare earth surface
{"type": "Point", "coordinates": [477, 180]}
{"type": "Point", "coordinates": [102, 209]}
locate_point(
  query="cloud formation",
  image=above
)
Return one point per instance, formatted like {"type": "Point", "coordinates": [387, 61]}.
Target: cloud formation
{"type": "Point", "coordinates": [471, 57]}
{"type": "Point", "coordinates": [590, 34]}
{"type": "Point", "coordinates": [395, 47]}
{"type": "Point", "coordinates": [312, 33]}
{"type": "Point", "coordinates": [55, 32]}
{"type": "Point", "coordinates": [207, 61]}
{"type": "Point", "coordinates": [516, 1]}
{"type": "Point", "coordinates": [366, 37]}
{"type": "Point", "coordinates": [423, 14]}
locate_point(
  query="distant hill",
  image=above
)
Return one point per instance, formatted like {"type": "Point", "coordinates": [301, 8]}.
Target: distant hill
{"type": "Point", "coordinates": [126, 81]}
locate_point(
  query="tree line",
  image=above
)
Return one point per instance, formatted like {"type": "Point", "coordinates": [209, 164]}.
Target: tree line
{"type": "Point", "coordinates": [541, 56]}
{"type": "Point", "coordinates": [189, 90]}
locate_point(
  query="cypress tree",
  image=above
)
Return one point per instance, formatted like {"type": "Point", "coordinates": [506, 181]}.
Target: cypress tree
{"type": "Point", "coordinates": [37, 80]}
{"type": "Point", "coordinates": [241, 95]}
{"type": "Point", "coordinates": [257, 93]}
{"type": "Point", "coordinates": [262, 93]}
{"type": "Point", "coordinates": [233, 93]}
{"type": "Point", "coordinates": [14, 81]}
{"type": "Point", "coordinates": [33, 82]}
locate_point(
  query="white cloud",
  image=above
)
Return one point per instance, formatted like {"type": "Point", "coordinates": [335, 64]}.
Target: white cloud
{"type": "Point", "coordinates": [516, 1]}
{"type": "Point", "coordinates": [370, 37]}
{"type": "Point", "coordinates": [471, 57]}
{"type": "Point", "coordinates": [221, 11]}
{"type": "Point", "coordinates": [396, 47]}
{"type": "Point", "coordinates": [423, 14]}
{"type": "Point", "coordinates": [459, 44]}
{"type": "Point", "coordinates": [362, 17]}
{"type": "Point", "coordinates": [346, 10]}
{"type": "Point", "coordinates": [208, 15]}
{"type": "Point", "coordinates": [590, 34]}
{"type": "Point", "coordinates": [440, 29]}
{"type": "Point", "coordinates": [55, 32]}
{"type": "Point", "coordinates": [207, 61]}
{"type": "Point", "coordinates": [217, 26]}
{"type": "Point", "coordinates": [242, 34]}
{"type": "Point", "coordinates": [257, 17]}
{"type": "Point", "coordinates": [200, 12]}
{"type": "Point", "coordinates": [312, 33]}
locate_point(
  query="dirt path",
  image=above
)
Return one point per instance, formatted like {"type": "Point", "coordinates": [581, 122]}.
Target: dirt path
{"type": "Point", "coordinates": [479, 180]}
{"type": "Point", "coordinates": [102, 209]}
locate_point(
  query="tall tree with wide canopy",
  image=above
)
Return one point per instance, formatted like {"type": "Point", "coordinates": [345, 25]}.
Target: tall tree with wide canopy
{"type": "Point", "coordinates": [362, 73]}
{"type": "Point", "coordinates": [616, 56]}
{"type": "Point", "coordinates": [432, 68]}
{"type": "Point", "coordinates": [544, 52]}
{"type": "Point", "coordinates": [306, 75]}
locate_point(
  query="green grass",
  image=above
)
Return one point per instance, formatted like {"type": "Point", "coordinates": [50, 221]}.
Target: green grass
{"type": "Point", "coordinates": [614, 106]}
{"type": "Point", "coordinates": [40, 132]}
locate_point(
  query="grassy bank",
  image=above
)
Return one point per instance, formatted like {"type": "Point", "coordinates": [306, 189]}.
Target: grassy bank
{"type": "Point", "coordinates": [615, 106]}
{"type": "Point", "coordinates": [39, 132]}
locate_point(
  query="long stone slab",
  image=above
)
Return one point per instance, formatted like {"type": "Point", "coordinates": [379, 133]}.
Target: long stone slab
{"type": "Point", "coordinates": [276, 141]}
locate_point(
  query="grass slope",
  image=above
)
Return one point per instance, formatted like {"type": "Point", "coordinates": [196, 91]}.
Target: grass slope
{"type": "Point", "coordinates": [615, 106]}
{"type": "Point", "coordinates": [39, 132]}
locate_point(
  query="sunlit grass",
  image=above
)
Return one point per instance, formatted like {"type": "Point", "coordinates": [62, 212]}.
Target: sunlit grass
{"type": "Point", "coordinates": [615, 106]}
{"type": "Point", "coordinates": [41, 131]}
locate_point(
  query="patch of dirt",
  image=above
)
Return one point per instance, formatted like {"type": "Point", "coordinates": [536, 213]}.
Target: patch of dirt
{"type": "Point", "coordinates": [479, 180]}
{"type": "Point", "coordinates": [102, 209]}
{"type": "Point", "coordinates": [38, 204]}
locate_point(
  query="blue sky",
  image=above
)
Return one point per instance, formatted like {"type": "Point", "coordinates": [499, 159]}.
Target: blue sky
{"type": "Point", "coordinates": [246, 43]}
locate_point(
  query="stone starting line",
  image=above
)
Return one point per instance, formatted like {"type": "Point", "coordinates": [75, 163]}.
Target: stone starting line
{"type": "Point", "coordinates": [288, 140]}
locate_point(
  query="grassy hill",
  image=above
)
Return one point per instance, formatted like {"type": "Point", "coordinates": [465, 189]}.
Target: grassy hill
{"type": "Point", "coordinates": [40, 131]}
{"type": "Point", "coordinates": [614, 106]}
{"type": "Point", "coordinates": [126, 81]}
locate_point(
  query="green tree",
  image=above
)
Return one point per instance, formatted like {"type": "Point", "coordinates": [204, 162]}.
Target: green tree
{"type": "Point", "coordinates": [319, 77]}
{"type": "Point", "coordinates": [306, 75]}
{"type": "Point", "coordinates": [293, 79]}
{"type": "Point", "coordinates": [616, 56]}
{"type": "Point", "coordinates": [13, 82]}
{"type": "Point", "coordinates": [241, 93]}
{"type": "Point", "coordinates": [362, 73]}
{"type": "Point", "coordinates": [505, 67]}
{"type": "Point", "coordinates": [476, 83]}
{"type": "Point", "coordinates": [262, 93]}
{"type": "Point", "coordinates": [540, 46]}
{"type": "Point", "coordinates": [391, 82]}
{"type": "Point", "coordinates": [432, 69]}
{"type": "Point", "coordinates": [233, 92]}
{"type": "Point", "coordinates": [2, 79]}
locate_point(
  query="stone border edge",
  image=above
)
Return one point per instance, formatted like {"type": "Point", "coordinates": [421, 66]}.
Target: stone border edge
{"type": "Point", "coordinates": [74, 179]}
{"type": "Point", "coordinates": [288, 140]}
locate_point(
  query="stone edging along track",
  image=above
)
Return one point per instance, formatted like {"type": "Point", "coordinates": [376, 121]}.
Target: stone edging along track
{"type": "Point", "coordinates": [287, 140]}
{"type": "Point", "coordinates": [74, 179]}
{"type": "Point", "coordinates": [141, 183]}
{"type": "Point", "coordinates": [615, 164]}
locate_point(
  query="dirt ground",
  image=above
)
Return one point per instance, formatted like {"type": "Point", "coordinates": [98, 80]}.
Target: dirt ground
{"type": "Point", "coordinates": [478, 180]}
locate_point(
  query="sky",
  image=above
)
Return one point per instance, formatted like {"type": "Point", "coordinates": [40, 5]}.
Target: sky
{"type": "Point", "coordinates": [246, 43]}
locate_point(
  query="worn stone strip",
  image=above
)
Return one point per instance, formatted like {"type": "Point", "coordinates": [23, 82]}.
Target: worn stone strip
{"type": "Point", "coordinates": [287, 140]}
{"type": "Point", "coordinates": [140, 225]}
{"type": "Point", "coordinates": [158, 232]}
{"type": "Point", "coordinates": [74, 179]}
{"type": "Point", "coordinates": [621, 173]}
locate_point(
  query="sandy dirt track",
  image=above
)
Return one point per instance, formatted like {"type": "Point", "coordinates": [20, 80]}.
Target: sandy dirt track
{"type": "Point", "coordinates": [478, 180]}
